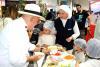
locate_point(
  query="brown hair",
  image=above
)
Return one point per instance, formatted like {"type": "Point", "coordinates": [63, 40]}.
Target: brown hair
{"type": "Point", "coordinates": [12, 12]}
{"type": "Point", "coordinates": [78, 5]}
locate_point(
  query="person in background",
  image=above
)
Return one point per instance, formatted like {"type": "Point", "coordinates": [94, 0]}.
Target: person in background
{"type": "Point", "coordinates": [47, 38]}
{"type": "Point", "coordinates": [66, 28]}
{"type": "Point", "coordinates": [93, 54]}
{"type": "Point", "coordinates": [79, 47]}
{"type": "Point", "coordinates": [81, 16]}
{"type": "Point", "coordinates": [91, 23]}
{"type": "Point", "coordinates": [51, 15]}
{"type": "Point", "coordinates": [14, 39]}
{"type": "Point", "coordinates": [11, 14]}
{"type": "Point", "coordinates": [57, 15]}
{"type": "Point", "coordinates": [50, 20]}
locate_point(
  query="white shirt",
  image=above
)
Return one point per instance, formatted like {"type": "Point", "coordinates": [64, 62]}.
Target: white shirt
{"type": "Point", "coordinates": [90, 63]}
{"type": "Point", "coordinates": [7, 20]}
{"type": "Point", "coordinates": [14, 44]}
{"type": "Point", "coordinates": [75, 28]}
{"type": "Point", "coordinates": [46, 39]}
{"type": "Point", "coordinates": [64, 22]}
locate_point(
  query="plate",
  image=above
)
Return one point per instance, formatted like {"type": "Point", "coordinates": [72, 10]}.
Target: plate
{"type": "Point", "coordinates": [39, 53]}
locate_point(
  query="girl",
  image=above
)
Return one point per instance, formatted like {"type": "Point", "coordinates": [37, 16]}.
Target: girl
{"type": "Point", "coordinates": [79, 47]}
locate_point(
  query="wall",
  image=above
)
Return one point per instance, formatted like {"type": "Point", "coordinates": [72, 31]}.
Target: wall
{"type": "Point", "coordinates": [84, 3]}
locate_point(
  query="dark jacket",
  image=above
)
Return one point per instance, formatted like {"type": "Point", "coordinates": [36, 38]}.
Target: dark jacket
{"type": "Point", "coordinates": [64, 32]}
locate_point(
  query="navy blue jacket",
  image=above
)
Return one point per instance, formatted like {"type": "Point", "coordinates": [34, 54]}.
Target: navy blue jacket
{"type": "Point", "coordinates": [64, 32]}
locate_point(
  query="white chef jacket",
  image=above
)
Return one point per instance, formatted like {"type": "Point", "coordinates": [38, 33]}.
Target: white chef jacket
{"type": "Point", "coordinates": [7, 20]}
{"type": "Point", "coordinates": [90, 63]}
{"type": "Point", "coordinates": [46, 39]}
{"type": "Point", "coordinates": [14, 44]}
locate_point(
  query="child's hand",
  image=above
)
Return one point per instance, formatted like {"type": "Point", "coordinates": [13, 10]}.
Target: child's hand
{"type": "Point", "coordinates": [46, 50]}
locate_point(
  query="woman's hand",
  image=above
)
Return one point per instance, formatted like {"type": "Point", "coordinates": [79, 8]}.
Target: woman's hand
{"type": "Point", "coordinates": [69, 39]}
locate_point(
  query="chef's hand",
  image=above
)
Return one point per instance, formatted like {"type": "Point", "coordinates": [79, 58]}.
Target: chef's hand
{"type": "Point", "coordinates": [34, 58]}
{"type": "Point", "coordinates": [37, 48]}
{"type": "Point", "coordinates": [69, 39]}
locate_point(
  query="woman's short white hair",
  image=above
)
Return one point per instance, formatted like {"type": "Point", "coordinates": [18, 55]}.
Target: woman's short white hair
{"type": "Point", "coordinates": [93, 48]}
{"type": "Point", "coordinates": [66, 9]}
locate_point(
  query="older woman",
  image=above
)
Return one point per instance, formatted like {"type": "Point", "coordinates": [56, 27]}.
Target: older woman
{"type": "Point", "coordinates": [66, 27]}
{"type": "Point", "coordinates": [93, 53]}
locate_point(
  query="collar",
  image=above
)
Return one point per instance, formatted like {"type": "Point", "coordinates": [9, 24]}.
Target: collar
{"type": "Point", "coordinates": [23, 22]}
{"type": "Point", "coordinates": [64, 20]}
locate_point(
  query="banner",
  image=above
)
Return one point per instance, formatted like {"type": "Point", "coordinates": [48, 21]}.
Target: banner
{"type": "Point", "coordinates": [95, 7]}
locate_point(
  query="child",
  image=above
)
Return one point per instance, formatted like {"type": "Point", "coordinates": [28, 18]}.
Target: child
{"type": "Point", "coordinates": [47, 37]}
{"type": "Point", "coordinates": [79, 47]}
{"type": "Point", "coordinates": [93, 54]}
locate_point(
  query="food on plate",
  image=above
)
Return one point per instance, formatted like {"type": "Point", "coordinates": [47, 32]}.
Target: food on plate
{"type": "Point", "coordinates": [52, 47]}
{"type": "Point", "coordinates": [69, 57]}
{"type": "Point", "coordinates": [57, 54]}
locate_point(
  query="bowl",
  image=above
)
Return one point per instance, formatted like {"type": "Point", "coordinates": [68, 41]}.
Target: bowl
{"type": "Point", "coordinates": [69, 57]}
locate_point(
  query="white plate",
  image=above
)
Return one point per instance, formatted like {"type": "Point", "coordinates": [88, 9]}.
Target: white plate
{"type": "Point", "coordinates": [39, 53]}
